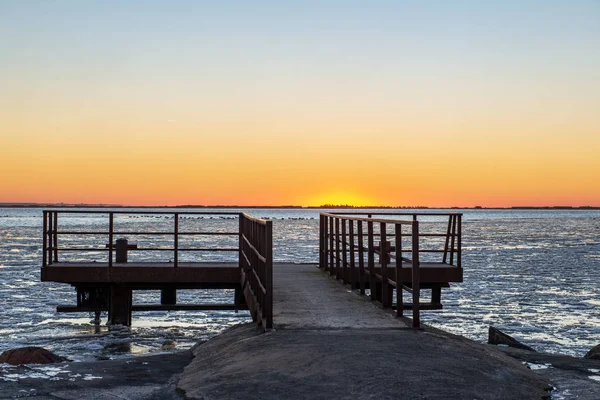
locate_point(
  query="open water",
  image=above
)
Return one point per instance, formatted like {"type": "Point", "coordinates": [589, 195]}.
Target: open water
{"type": "Point", "coordinates": [533, 273]}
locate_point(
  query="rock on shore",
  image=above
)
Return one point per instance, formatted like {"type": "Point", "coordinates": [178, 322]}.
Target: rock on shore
{"type": "Point", "coordinates": [30, 355]}
{"type": "Point", "coordinates": [496, 336]}
{"type": "Point", "coordinates": [594, 353]}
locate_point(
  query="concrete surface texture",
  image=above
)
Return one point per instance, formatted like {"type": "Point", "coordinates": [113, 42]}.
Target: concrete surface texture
{"type": "Point", "coordinates": [332, 343]}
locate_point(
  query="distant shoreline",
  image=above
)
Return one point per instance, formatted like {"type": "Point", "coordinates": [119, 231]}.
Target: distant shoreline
{"type": "Point", "coordinates": [326, 206]}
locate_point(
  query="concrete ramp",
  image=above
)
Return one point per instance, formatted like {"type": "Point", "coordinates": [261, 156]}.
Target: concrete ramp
{"type": "Point", "coordinates": [330, 343]}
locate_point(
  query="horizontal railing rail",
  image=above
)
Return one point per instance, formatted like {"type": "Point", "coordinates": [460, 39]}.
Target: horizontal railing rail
{"type": "Point", "coordinates": [256, 263]}
{"type": "Point", "coordinates": [347, 250]}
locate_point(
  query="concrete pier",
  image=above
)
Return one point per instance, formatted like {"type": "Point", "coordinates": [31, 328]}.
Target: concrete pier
{"type": "Point", "coordinates": [330, 342]}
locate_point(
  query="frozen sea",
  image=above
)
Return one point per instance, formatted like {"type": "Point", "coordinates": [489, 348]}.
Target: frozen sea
{"type": "Point", "coordinates": [533, 273]}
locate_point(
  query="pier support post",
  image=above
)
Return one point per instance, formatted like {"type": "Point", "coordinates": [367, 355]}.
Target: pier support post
{"type": "Point", "coordinates": [168, 296]}
{"type": "Point", "coordinates": [119, 308]}
{"type": "Point", "coordinates": [239, 299]}
{"type": "Point", "coordinates": [120, 301]}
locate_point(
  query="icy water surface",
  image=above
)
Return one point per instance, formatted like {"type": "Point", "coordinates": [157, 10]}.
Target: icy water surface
{"type": "Point", "coordinates": [534, 274]}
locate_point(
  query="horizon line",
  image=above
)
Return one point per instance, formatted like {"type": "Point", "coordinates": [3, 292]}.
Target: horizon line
{"type": "Point", "coordinates": [323, 206]}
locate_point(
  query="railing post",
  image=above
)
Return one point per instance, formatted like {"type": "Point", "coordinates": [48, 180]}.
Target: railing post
{"type": "Point", "coordinates": [176, 240]}
{"type": "Point", "coordinates": [416, 283]}
{"type": "Point", "coordinates": [269, 273]}
{"type": "Point", "coordinates": [55, 237]}
{"type": "Point", "coordinates": [352, 262]}
{"type": "Point", "coordinates": [399, 282]}
{"type": "Point", "coordinates": [322, 240]}
{"type": "Point", "coordinates": [371, 258]}
{"type": "Point", "coordinates": [459, 244]}
{"type": "Point", "coordinates": [447, 241]}
{"type": "Point", "coordinates": [110, 238]}
{"type": "Point", "coordinates": [386, 299]}
{"type": "Point", "coordinates": [50, 245]}
{"type": "Point", "coordinates": [44, 239]}
{"type": "Point", "coordinates": [331, 248]}
{"type": "Point", "coordinates": [452, 239]}
{"type": "Point", "coordinates": [337, 248]}
{"type": "Point", "coordinates": [361, 257]}
{"type": "Point", "coordinates": [344, 253]}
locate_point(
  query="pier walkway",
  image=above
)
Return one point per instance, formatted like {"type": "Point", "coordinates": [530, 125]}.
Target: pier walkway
{"type": "Point", "coordinates": [304, 297]}
{"type": "Point", "coordinates": [332, 343]}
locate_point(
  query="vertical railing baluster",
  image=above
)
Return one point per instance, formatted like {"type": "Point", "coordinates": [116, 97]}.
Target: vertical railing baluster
{"type": "Point", "coordinates": [337, 248]}
{"type": "Point", "coordinates": [45, 239]}
{"type": "Point", "coordinates": [344, 253]}
{"type": "Point", "coordinates": [110, 238]}
{"type": "Point", "coordinates": [50, 240]}
{"type": "Point", "coordinates": [399, 281]}
{"type": "Point", "coordinates": [55, 237]}
{"type": "Point", "coordinates": [371, 258]}
{"type": "Point", "coordinates": [459, 244]}
{"type": "Point", "coordinates": [352, 255]}
{"type": "Point", "coordinates": [175, 240]}
{"type": "Point", "coordinates": [447, 239]}
{"type": "Point", "coordinates": [241, 241]}
{"type": "Point", "coordinates": [416, 283]}
{"type": "Point", "coordinates": [331, 247]}
{"type": "Point", "coordinates": [269, 273]}
{"type": "Point", "coordinates": [385, 298]}
{"type": "Point", "coordinates": [361, 257]}
{"type": "Point", "coordinates": [453, 235]}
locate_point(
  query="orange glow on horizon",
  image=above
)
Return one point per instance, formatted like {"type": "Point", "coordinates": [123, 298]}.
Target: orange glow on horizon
{"type": "Point", "coordinates": [199, 104]}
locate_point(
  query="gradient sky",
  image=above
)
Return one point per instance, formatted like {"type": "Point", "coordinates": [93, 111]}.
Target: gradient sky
{"type": "Point", "coordinates": [433, 103]}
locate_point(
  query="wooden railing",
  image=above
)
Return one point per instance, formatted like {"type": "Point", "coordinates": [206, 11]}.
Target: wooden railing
{"type": "Point", "coordinates": [254, 248]}
{"type": "Point", "coordinates": [348, 252]}
{"type": "Point", "coordinates": [256, 263]}
{"type": "Point", "coordinates": [51, 233]}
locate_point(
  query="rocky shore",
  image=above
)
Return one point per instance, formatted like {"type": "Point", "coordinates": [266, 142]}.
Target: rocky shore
{"type": "Point", "coordinates": [310, 364]}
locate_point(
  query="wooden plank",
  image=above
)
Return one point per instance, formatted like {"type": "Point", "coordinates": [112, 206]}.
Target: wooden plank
{"type": "Point", "coordinates": [141, 274]}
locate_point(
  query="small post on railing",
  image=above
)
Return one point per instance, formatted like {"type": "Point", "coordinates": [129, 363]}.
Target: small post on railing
{"type": "Point", "coordinates": [416, 283]}
{"type": "Point", "coordinates": [44, 240]}
{"type": "Point", "coordinates": [110, 238]}
{"type": "Point", "coordinates": [121, 248]}
{"type": "Point", "coordinates": [175, 240]}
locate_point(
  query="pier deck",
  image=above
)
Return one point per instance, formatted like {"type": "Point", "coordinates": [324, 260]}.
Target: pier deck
{"type": "Point", "coordinates": [186, 274]}
{"type": "Point", "coordinates": [353, 248]}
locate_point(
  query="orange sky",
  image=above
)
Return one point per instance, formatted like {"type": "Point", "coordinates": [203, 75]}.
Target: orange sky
{"type": "Point", "coordinates": [281, 112]}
